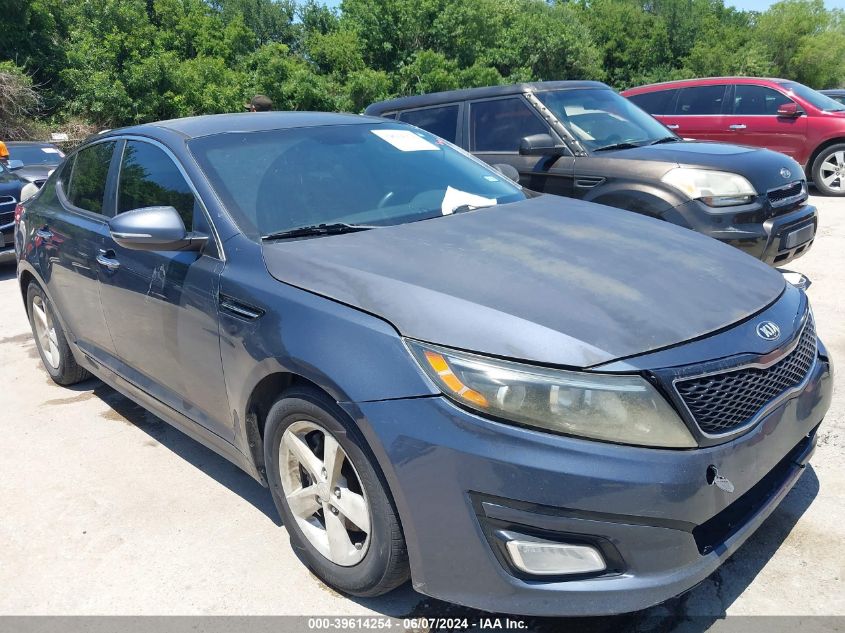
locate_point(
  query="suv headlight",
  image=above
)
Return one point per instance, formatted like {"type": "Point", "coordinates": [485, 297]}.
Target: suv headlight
{"type": "Point", "coordinates": [713, 188]}
{"type": "Point", "coordinates": [612, 407]}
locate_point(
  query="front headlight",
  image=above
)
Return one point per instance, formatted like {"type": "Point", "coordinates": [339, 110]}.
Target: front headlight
{"type": "Point", "coordinates": [615, 408]}
{"type": "Point", "coordinates": [713, 188]}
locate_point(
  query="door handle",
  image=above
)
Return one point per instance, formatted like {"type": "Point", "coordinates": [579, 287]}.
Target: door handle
{"type": "Point", "coordinates": [672, 126]}
{"type": "Point", "coordinates": [737, 126]}
{"type": "Point", "coordinates": [44, 233]}
{"type": "Point", "coordinates": [106, 259]}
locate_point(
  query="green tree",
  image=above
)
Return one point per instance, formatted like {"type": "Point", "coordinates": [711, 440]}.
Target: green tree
{"type": "Point", "coordinates": [804, 41]}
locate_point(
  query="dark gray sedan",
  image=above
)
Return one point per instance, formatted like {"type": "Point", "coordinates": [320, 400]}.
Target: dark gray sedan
{"type": "Point", "coordinates": [520, 402]}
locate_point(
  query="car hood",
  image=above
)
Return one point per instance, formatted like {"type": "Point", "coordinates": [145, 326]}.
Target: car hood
{"type": "Point", "coordinates": [31, 173]}
{"type": "Point", "coordinates": [549, 280]}
{"type": "Point", "coordinates": [761, 167]}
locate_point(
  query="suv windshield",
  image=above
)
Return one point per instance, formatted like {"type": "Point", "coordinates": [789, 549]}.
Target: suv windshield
{"type": "Point", "coordinates": [816, 99]}
{"type": "Point", "coordinates": [368, 174]}
{"type": "Point", "coordinates": [600, 118]}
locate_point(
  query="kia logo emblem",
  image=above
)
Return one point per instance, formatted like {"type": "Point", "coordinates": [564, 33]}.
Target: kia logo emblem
{"type": "Point", "coordinates": [768, 330]}
{"type": "Point", "coordinates": [785, 172]}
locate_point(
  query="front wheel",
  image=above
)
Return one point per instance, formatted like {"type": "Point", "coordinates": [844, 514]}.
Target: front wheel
{"type": "Point", "coordinates": [829, 170]}
{"type": "Point", "coordinates": [333, 502]}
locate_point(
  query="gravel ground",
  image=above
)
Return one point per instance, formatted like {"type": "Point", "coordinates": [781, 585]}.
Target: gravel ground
{"type": "Point", "coordinates": [108, 510]}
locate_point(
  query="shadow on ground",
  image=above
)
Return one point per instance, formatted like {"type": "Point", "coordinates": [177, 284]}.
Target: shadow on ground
{"type": "Point", "coordinates": [122, 409]}
{"type": "Point", "coordinates": [694, 612]}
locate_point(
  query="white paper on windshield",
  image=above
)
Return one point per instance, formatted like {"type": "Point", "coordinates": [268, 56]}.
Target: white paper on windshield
{"type": "Point", "coordinates": [50, 150]}
{"type": "Point", "coordinates": [405, 140]}
{"type": "Point", "coordinates": [455, 198]}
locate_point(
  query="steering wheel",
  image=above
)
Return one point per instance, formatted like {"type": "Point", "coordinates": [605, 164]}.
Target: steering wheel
{"type": "Point", "coordinates": [385, 199]}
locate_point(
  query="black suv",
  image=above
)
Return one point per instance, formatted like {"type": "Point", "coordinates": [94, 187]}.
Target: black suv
{"type": "Point", "coordinates": [10, 195]}
{"type": "Point", "coordinates": [583, 140]}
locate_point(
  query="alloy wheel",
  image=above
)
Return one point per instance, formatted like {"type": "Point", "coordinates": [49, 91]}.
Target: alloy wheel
{"type": "Point", "coordinates": [45, 331]}
{"type": "Point", "coordinates": [324, 493]}
{"type": "Point", "coordinates": [833, 171]}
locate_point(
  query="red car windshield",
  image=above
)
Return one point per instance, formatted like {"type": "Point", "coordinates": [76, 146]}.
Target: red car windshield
{"type": "Point", "coordinates": [816, 99]}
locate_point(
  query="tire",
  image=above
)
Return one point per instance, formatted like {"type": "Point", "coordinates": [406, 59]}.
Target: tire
{"type": "Point", "coordinates": [50, 339]}
{"type": "Point", "coordinates": [830, 165]}
{"type": "Point", "coordinates": [364, 564]}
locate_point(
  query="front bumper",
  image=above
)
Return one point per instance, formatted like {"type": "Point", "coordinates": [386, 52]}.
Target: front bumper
{"type": "Point", "coordinates": [7, 243]}
{"type": "Point", "coordinates": [460, 480]}
{"type": "Point", "coordinates": [776, 240]}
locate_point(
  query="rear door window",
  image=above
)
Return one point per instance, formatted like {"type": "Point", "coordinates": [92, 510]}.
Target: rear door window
{"type": "Point", "coordinates": [757, 100]}
{"type": "Point", "coordinates": [149, 178]}
{"type": "Point", "coordinates": [657, 102]}
{"type": "Point", "coordinates": [442, 121]}
{"type": "Point", "coordinates": [701, 100]}
{"type": "Point", "coordinates": [499, 125]}
{"type": "Point", "coordinates": [87, 186]}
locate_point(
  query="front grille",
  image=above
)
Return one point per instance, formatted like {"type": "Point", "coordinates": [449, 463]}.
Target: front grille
{"type": "Point", "coordinates": [4, 200]}
{"type": "Point", "coordinates": [722, 403]}
{"type": "Point", "coordinates": [785, 195]}
{"type": "Point", "coordinates": [6, 217]}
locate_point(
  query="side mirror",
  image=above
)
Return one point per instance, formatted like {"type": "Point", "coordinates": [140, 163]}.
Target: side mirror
{"type": "Point", "coordinates": [508, 171]}
{"type": "Point", "coordinates": [540, 145]}
{"type": "Point", "coordinates": [15, 164]}
{"type": "Point", "coordinates": [154, 229]}
{"type": "Point", "coordinates": [789, 111]}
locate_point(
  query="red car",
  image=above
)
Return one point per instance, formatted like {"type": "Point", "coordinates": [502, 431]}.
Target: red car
{"type": "Point", "coordinates": [774, 113]}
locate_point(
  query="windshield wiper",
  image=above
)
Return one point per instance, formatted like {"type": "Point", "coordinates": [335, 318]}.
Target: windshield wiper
{"type": "Point", "coordinates": [334, 228]}
{"type": "Point", "coordinates": [470, 207]}
{"type": "Point", "coordinates": [665, 139]}
{"type": "Point", "coordinates": [625, 145]}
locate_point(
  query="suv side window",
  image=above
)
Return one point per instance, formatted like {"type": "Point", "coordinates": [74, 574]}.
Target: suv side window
{"type": "Point", "coordinates": [701, 100]}
{"type": "Point", "coordinates": [442, 120]}
{"type": "Point", "coordinates": [657, 102]}
{"type": "Point", "coordinates": [87, 186]}
{"type": "Point", "coordinates": [499, 125]}
{"type": "Point", "coordinates": [149, 178]}
{"type": "Point", "coordinates": [757, 100]}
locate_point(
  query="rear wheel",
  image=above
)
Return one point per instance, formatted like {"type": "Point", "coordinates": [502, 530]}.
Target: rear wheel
{"type": "Point", "coordinates": [333, 502]}
{"type": "Point", "coordinates": [50, 339]}
{"type": "Point", "coordinates": [829, 170]}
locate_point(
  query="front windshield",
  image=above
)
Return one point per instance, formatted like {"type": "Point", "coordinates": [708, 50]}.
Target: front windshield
{"type": "Point", "coordinates": [816, 99]}
{"type": "Point", "coordinates": [598, 117]}
{"type": "Point", "coordinates": [36, 154]}
{"type": "Point", "coordinates": [367, 173]}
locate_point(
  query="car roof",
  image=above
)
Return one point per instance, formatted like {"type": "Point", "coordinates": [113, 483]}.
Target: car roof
{"type": "Point", "coordinates": [210, 124]}
{"type": "Point", "coordinates": [704, 81]}
{"type": "Point", "coordinates": [29, 143]}
{"type": "Point", "coordinates": [435, 98]}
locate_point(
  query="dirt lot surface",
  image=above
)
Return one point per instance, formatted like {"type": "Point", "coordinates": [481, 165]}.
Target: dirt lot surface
{"type": "Point", "coordinates": [108, 510]}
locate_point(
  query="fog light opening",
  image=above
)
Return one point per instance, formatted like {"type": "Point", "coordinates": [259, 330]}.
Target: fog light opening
{"type": "Point", "coordinates": [546, 558]}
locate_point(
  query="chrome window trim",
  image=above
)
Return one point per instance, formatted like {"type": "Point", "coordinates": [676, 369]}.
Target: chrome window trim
{"type": "Point", "coordinates": [769, 406]}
